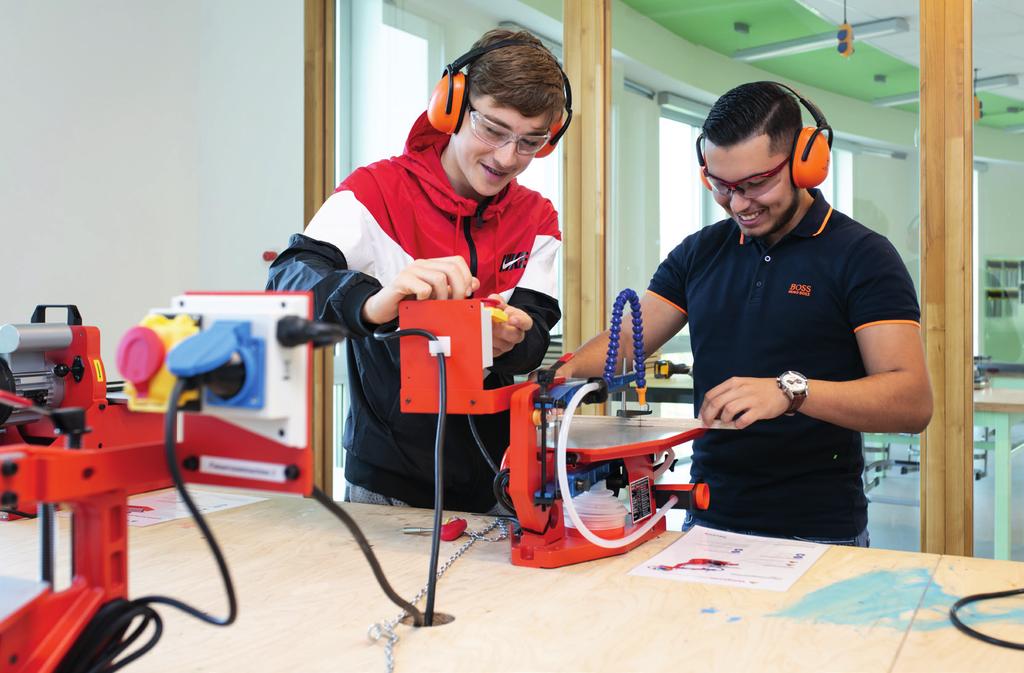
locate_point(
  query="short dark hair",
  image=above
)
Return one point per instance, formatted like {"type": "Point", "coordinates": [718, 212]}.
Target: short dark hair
{"type": "Point", "coordinates": [753, 109]}
{"type": "Point", "coordinates": [524, 77]}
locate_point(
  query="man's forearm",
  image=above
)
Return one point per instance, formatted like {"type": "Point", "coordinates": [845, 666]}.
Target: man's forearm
{"type": "Point", "coordinates": [589, 359]}
{"type": "Point", "coordinates": [339, 293]}
{"type": "Point", "coordinates": [662, 321]}
{"type": "Point", "coordinates": [885, 402]}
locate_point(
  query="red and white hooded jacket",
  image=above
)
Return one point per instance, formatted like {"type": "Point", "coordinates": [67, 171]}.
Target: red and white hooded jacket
{"type": "Point", "coordinates": [381, 218]}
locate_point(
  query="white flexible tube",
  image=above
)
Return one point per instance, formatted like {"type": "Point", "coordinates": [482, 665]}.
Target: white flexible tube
{"type": "Point", "coordinates": [665, 464]}
{"type": "Point", "coordinates": [563, 483]}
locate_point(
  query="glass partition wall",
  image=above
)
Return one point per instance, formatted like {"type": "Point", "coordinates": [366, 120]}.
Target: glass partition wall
{"type": "Point", "coordinates": [998, 283]}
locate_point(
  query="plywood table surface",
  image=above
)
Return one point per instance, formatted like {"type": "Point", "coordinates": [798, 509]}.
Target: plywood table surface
{"type": "Point", "coordinates": [307, 597]}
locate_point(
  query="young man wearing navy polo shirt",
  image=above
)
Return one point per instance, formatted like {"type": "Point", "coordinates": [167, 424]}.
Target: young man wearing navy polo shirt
{"type": "Point", "coordinates": [804, 325]}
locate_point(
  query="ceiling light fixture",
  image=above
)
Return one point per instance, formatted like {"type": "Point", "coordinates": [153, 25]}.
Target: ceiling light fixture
{"type": "Point", "coordinates": [800, 45]}
{"type": "Point", "coordinates": [882, 152]}
{"type": "Point", "coordinates": [982, 84]}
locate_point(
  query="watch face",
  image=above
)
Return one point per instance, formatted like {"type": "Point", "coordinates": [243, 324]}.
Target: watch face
{"type": "Point", "coordinates": [794, 383]}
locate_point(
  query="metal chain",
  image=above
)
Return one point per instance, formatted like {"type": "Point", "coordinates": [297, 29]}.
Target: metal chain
{"type": "Point", "coordinates": [386, 628]}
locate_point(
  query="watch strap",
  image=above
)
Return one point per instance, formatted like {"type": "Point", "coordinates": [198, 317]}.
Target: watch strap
{"type": "Point", "coordinates": [794, 403]}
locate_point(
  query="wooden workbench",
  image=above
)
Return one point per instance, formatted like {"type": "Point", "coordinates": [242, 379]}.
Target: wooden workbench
{"type": "Point", "coordinates": [307, 597]}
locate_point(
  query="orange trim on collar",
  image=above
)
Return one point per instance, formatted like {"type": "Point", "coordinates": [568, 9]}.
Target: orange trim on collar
{"type": "Point", "coordinates": [823, 222]}
{"type": "Point", "coordinates": [886, 322]}
{"type": "Point", "coordinates": [672, 304]}
{"type": "Point", "coordinates": [741, 238]}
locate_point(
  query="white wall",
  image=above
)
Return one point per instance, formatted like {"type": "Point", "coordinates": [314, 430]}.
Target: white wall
{"type": "Point", "coordinates": [148, 148]}
{"type": "Point", "coordinates": [251, 141]}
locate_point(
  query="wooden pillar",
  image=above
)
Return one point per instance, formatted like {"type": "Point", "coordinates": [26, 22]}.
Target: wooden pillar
{"type": "Point", "coordinates": [319, 181]}
{"type": "Point", "coordinates": [947, 154]}
{"type": "Point", "coordinates": [587, 56]}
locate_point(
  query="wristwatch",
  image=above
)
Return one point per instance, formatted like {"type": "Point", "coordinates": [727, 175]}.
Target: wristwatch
{"type": "Point", "coordinates": [794, 386]}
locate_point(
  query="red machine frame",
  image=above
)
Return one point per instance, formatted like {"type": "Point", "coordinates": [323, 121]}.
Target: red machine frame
{"type": "Point", "coordinates": [96, 484]}
{"type": "Point", "coordinates": [110, 423]}
{"type": "Point", "coordinates": [544, 542]}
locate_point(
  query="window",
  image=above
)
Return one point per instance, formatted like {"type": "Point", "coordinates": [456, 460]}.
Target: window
{"type": "Point", "coordinates": [544, 176]}
{"type": "Point", "coordinates": [838, 186]}
{"type": "Point", "coordinates": [384, 100]}
{"type": "Point", "coordinates": [684, 209]}
{"type": "Point", "coordinates": [680, 198]}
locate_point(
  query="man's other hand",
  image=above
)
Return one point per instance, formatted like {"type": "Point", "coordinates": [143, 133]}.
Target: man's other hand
{"type": "Point", "coordinates": [505, 335]}
{"type": "Point", "coordinates": [744, 400]}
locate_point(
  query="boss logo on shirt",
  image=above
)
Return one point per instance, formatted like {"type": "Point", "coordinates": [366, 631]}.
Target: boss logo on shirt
{"type": "Point", "coordinates": [800, 289]}
{"type": "Point", "coordinates": [514, 260]}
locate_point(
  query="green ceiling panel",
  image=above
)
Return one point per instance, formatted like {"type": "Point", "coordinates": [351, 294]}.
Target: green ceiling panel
{"type": "Point", "coordinates": [996, 113]}
{"type": "Point", "coordinates": [709, 23]}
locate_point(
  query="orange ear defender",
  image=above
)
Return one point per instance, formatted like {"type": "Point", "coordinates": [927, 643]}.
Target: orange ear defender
{"type": "Point", "coordinates": [448, 102]}
{"type": "Point", "coordinates": [811, 154]}
{"type": "Point", "coordinates": [812, 149]}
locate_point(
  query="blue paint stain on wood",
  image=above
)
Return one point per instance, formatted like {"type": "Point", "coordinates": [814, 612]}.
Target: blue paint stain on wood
{"type": "Point", "coordinates": [709, 611]}
{"type": "Point", "coordinates": [734, 619]}
{"type": "Point", "coordinates": [889, 598]}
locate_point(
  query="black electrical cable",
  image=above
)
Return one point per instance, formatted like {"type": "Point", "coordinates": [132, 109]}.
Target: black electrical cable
{"type": "Point", "coordinates": [170, 440]}
{"type": "Point", "coordinates": [103, 640]}
{"type": "Point", "coordinates": [364, 545]}
{"type": "Point", "coordinates": [480, 444]}
{"type": "Point", "coordinates": [978, 634]}
{"type": "Point", "coordinates": [544, 454]}
{"type": "Point", "coordinates": [500, 487]}
{"type": "Point", "coordinates": [18, 512]}
{"type": "Point", "coordinates": [442, 414]}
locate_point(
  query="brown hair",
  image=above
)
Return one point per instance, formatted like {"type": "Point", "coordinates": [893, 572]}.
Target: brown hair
{"type": "Point", "coordinates": [525, 78]}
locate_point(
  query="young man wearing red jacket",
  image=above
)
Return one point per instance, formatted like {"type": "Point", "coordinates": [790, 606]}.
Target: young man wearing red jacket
{"type": "Point", "coordinates": [446, 219]}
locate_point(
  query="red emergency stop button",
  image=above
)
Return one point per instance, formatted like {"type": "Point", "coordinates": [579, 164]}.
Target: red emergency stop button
{"type": "Point", "coordinates": [140, 355]}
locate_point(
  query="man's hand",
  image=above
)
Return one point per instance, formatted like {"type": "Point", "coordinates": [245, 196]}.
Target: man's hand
{"type": "Point", "coordinates": [744, 400]}
{"type": "Point", "coordinates": [506, 335]}
{"type": "Point", "coordinates": [439, 278]}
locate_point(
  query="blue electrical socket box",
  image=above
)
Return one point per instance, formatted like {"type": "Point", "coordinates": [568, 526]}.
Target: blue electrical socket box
{"type": "Point", "coordinates": [214, 347]}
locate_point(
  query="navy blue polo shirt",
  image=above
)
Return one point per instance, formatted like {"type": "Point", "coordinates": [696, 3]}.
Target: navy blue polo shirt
{"type": "Point", "coordinates": [757, 311]}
